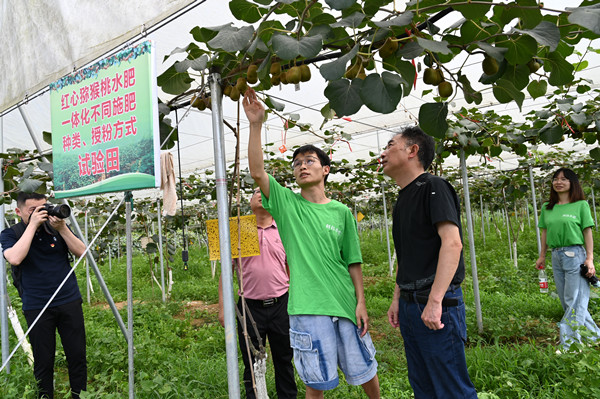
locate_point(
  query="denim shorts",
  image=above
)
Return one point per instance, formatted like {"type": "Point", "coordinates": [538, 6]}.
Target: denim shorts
{"type": "Point", "coordinates": [322, 343]}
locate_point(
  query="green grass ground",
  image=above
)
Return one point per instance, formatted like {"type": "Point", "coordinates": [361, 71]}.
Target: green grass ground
{"type": "Point", "coordinates": [180, 346]}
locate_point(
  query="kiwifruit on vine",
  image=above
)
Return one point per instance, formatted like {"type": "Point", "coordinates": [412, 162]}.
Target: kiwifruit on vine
{"type": "Point", "coordinates": [275, 69]}
{"type": "Point", "coordinates": [241, 85]}
{"type": "Point", "coordinates": [445, 89]}
{"type": "Point", "coordinates": [252, 74]}
{"type": "Point", "coordinates": [388, 48]}
{"type": "Point", "coordinates": [198, 103]}
{"type": "Point", "coordinates": [354, 69]}
{"type": "Point", "coordinates": [283, 77]}
{"type": "Point", "coordinates": [433, 76]}
{"type": "Point", "coordinates": [304, 73]}
{"type": "Point", "coordinates": [235, 93]}
{"type": "Point", "coordinates": [489, 65]}
{"type": "Point", "coordinates": [533, 65]}
{"type": "Point", "coordinates": [227, 90]}
{"type": "Point", "coordinates": [294, 75]}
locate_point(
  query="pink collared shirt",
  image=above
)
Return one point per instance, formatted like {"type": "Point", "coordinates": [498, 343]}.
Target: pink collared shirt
{"type": "Point", "coordinates": [265, 276]}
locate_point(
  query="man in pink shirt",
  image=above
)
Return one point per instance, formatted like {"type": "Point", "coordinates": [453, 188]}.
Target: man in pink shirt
{"type": "Point", "coordinates": [266, 283]}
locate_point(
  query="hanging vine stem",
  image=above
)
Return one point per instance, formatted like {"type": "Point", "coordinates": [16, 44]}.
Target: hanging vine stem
{"type": "Point", "coordinates": [301, 22]}
{"type": "Point", "coordinates": [236, 165]}
{"type": "Point", "coordinates": [236, 178]}
{"type": "Point", "coordinates": [283, 117]}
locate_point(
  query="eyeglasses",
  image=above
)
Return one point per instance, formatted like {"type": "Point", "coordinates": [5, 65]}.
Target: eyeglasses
{"type": "Point", "coordinates": [308, 161]}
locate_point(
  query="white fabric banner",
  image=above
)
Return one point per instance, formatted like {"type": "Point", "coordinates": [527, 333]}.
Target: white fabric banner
{"type": "Point", "coordinates": [43, 40]}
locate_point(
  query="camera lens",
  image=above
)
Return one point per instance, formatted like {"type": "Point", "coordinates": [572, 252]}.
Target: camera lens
{"type": "Point", "coordinates": [62, 211]}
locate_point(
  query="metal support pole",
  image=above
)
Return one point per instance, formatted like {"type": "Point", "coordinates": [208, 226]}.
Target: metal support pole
{"type": "Point", "coordinates": [535, 211]}
{"type": "Point", "coordinates": [75, 225]}
{"type": "Point", "coordinates": [128, 202]}
{"type": "Point", "coordinates": [3, 289]}
{"type": "Point", "coordinates": [87, 265]}
{"type": "Point", "coordinates": [505, 213]}
{"type": "Point", "coordinates": [233, 381]}
{"type": "Point", "coordinates": [465, 178]}
{"type": "Point", "coordinates": [482, 219]}
{"type": "Point", "coordinates": [387, 230]}
{"type": "Point", "coordinates": [160, 252]}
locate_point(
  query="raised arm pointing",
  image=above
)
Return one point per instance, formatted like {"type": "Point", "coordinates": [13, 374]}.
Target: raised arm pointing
{"type": "Point", "coordinates": [255, 113]}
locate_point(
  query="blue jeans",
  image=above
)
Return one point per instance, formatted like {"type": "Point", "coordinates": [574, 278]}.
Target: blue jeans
{"type": "Point", "coordinates": [574, 293]}
{"type": "Point", "coordinates": [437, 368]}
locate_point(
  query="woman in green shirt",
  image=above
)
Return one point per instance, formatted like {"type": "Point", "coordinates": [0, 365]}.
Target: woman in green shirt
{"type": "Point", "coordinates": [566, 224]}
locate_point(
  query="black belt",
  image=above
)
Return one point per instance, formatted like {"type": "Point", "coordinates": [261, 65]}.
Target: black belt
{"type": "Point", "coordinates": [265, 303]}
{"type": "Point", "coordinates": [415, 297]}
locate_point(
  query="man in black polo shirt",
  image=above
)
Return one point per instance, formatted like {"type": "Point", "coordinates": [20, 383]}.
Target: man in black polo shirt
{"type": "Point", "coordinates": [427, 304]}
{"type": "Point", "coordinates": [42, 254]}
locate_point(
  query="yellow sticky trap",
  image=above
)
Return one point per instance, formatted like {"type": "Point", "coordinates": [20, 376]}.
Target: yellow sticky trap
{"type": "Point", "coordinates": [248, 232]}
{"type": "Point", "coordinates": [359, 216]}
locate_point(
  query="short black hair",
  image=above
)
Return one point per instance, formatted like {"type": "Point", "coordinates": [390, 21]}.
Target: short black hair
{"type": "Point", "coordinates": [323, 158]}
{"type": "Point", "coordinates": [426, 143]}
{"type": "Point", "coordinates": [22, 197]}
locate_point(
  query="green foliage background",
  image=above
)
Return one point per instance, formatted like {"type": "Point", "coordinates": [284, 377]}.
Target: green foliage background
{"type": "Point", "coordinates": [180, 351]}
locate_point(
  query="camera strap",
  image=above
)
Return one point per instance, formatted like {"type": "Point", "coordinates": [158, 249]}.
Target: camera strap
{"type": "Point", "coordinates": [16, 271]}
{"type": "Point", "coordinates": [49, 229]}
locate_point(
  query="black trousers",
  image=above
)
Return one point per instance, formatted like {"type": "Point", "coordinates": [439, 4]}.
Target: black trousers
{"type": "Point", "coordinates": [68, 320]}
{"type": "Point", "coordinates": [273, 323]}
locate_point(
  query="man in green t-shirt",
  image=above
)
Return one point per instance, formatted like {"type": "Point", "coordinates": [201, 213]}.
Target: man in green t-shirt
{"type": "Point", "coordinates": [328, 316]}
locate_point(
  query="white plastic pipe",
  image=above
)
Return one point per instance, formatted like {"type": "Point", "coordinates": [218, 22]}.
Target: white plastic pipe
{"type": "Point", "coordinates": [14, 320]}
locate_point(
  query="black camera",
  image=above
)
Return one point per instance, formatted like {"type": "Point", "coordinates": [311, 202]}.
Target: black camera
{"type": "Point", "coordinates": [592, 280]}
{"type": "Point", "coordinates": [62, 211]}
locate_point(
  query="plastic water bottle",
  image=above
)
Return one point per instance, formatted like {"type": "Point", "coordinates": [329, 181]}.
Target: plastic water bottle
{"type": "Point", "coordinates": [543, 281]}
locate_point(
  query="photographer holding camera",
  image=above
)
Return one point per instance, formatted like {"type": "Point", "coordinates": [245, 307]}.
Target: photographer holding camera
{"type": "Point", "coordinates": [38, 247]}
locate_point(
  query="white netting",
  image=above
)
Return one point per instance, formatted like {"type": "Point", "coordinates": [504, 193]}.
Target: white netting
{"type": "Point", "coordinates": [71, 36]}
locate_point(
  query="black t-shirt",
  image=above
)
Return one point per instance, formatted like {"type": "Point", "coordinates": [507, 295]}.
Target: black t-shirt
{"type": "Point", "coordinates": [43, 269]}
{"type": "Point", "coordinates": [422, 204]}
